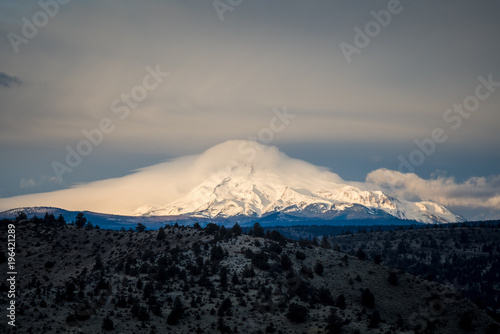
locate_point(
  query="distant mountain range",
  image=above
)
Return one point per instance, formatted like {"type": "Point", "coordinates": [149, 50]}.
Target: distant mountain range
{"type": "Point", "coordinates": [115, 222]}
{"type": "Point", "coordinates": [236, 181]}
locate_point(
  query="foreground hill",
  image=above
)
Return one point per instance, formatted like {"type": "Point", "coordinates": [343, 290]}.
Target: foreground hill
{"type": "Point", "coordinates": [466, 256]}
{"type": "Point", "coordinates": [215, 280]}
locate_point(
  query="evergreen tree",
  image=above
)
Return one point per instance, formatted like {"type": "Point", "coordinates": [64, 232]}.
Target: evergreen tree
{"type": "Point", "coordinates": [98, 263]}
{"type": "Point", "coordinates": [225, 308]}
{"type": "Point", "coordinates": [465, 322]}
{"type": "Point", "coordinates": [161, 234]}
{"type": "Point", "coordinates": [325, 243]}
{"type": "Point", "coordinates": [80, 220]}
{"type": "Point", "coordinates": [374, 319]}
{"type": "Point", "coordinates": [107, 324]}
{"type": "Point", "coordinates": [319, 268]}
{"type": "Point", "coordinates": [341, 303]}
{"type": "Point", "coordinates": [49, 218]}
{"type": "Point", "coordinates": [333, 323]}
{"type": "Point", "coordinates": [211, 228]}
{"type": "Point", "coordinates": [223, 277]}
{"type": "Point", "coordinates": [143, 314]}
{"type": "Point", "coordinates": [360, 254]}
{"type": "Point", "coordinates": [60, 220]}
{"type": "Point", "coordinates": [235, 280]}
{"type": "Point", "coordinates": [176, 313]}
{"type": "Point", "coordinates": [300, 255]}
{"type": "Point", "coordinates": [259, 260]}
{"type": "Point", "coordinates": [236, 230]}
{"type": "Point", "coordinates": [222, 327]}
{"type": "Point", "coordinates": [393, 278]}
{"type": "Point", "coordinates": [217, 253]}
{"type": "Point", "coordinates": [21, 216]}
{"type": "Point", "coordinates": [367, 298]}
{"type": "Point", "coordinates": [258, 231]}
{"type": "Point", "coordinates": [286, 263]}
{"type": "Point", "coordinates": [140, 227]}
{"type": "Point", "coordinates": [297, 313]}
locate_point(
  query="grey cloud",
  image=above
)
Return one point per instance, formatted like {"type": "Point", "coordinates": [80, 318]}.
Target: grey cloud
{"type": "Point", "coordinates": [9, 81]}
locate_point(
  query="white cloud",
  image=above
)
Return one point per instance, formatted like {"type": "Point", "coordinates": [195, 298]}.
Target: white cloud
{"type": "Point", "coordinates": [27, 183]}
{"type": "Point", "coordinates": [31, 182]}
{"type": "Point", "coordinates": [476, 192]}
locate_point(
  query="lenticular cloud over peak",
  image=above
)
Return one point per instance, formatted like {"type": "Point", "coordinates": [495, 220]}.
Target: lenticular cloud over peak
{"type": "Point", "coordinates": [245, 178]}
{"type": "Point", "coordinates": [166, 182]}
{"type": "Point", "coordinates": [234, 154]}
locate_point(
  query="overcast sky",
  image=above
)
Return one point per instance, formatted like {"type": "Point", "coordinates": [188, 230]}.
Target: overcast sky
{"type": "Point", "coordinates": [232, 65]}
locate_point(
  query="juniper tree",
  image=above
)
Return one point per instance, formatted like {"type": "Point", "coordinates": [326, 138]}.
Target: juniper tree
{"type": "Point", "coordinates": [80, 220]}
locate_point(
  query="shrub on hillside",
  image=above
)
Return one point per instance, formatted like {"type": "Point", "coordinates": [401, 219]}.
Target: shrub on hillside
{"type": "Point", "coordinates": [297, 313]}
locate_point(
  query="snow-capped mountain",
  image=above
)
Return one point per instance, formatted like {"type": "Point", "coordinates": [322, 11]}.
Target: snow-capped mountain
{"type": "Point", "coordinates": [268, 182]}
{"type": "Point", "coordinates": [237, 179]}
